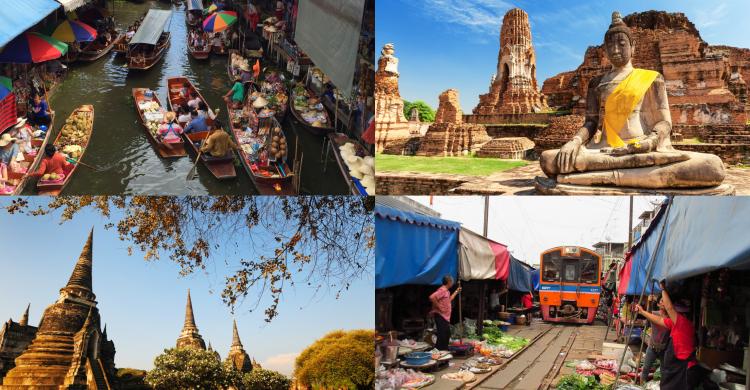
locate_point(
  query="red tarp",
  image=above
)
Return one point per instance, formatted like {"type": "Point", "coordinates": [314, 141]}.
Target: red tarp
{"type": "Point", "coordinates": [624, 276]}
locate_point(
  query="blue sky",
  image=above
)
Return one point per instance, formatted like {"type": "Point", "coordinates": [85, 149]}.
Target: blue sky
{"type": "Point", "coordinates": [143, 303]}
{"type": "Point", "coordinates": [445, 44]}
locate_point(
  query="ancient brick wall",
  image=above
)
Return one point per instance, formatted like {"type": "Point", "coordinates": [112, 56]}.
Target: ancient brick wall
{"type": "Point", "coordinates": [408, 183]}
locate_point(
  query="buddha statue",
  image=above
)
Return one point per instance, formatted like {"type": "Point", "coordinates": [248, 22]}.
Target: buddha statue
{"type": "Point", "coordinates": [625, 140]}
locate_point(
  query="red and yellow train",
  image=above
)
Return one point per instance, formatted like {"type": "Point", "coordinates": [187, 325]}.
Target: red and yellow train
{"type": "Point", "coordinates": [570, 285]}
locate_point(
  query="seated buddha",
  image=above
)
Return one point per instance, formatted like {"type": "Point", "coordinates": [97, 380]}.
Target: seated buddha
{"type": "Point", "coordinates": [629, 107]}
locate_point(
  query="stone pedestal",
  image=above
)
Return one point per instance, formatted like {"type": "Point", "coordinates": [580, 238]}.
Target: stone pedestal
{"type": "Point", "coordinates": [547, 186]}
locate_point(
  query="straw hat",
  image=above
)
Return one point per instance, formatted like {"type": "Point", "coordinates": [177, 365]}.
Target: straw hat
{"type": "Point", "coordinates": [260, 102]}
{"type": "Point", "coordinates": [271, 20]}
{"type": "Point", "coordinates": [169, 116]}
{"type": "Point", "coordinates": [6, 139]}
{"type": "Point", "coordinates": [20, 122]}
{"type": "Point", "coordinates": [245, 67]}
{"type": "Point", "coordinates": [272, 29]}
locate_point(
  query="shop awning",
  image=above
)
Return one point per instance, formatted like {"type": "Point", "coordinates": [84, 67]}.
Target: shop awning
{"type": "Point", "coordinates": [193, 5]}
{"type": "Point", "coordinates": [624, 276]}
{"type": "Point", "coordinates": [328, 31]}
{"type": "Point", "coordinates": [151, 27]}
{"type": "Point", "coordinates": [17, 16]}
{"type": "Point", "coordinates": [702, 234]}
{"type": "Point", "coordinates": [413, 248]}
{"type": "Point", "coordinates": [72, 5]}
{"type": "Point", "coordinates": [519, 278]}
{"type": "Point", "coordinates": [480, 258]}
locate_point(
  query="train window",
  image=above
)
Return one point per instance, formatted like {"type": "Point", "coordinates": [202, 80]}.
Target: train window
{"type": "Point", "coordinates": [551, 267]}
{"type": "Point", "coordinates": [589, 269]}
{"type": "Point", "coordinates": [569, 274]}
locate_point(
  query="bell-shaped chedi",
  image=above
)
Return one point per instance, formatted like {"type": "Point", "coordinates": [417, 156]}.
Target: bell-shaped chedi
{"type": "Point", "coordinates": [69, 350]}
{"type": "Point", "coordinates": [14, 338]}
{"type": "Point", "coordinates": [190, 337]}
{"type": "Point", "coordinates": [514, 88]}
{"type": "Point", "coordinates": [449, 136]}
{"type": "Point", "coordinates": [391, 126]}
{"type": "Point", "coordinates": [238, 358]}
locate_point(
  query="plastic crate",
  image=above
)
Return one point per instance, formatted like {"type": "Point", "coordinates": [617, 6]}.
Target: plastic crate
{"type": "Point", "coordinates": [7, 112]}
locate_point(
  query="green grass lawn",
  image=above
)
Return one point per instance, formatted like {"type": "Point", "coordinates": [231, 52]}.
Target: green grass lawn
{"type": "Point", "coordinates": [471, 166]}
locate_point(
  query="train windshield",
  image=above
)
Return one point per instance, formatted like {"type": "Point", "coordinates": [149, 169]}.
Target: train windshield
{"type": "Point", "coordinates": [589, 269]}
{"type": "Point", "coordinates": [551, 264]}
{"type": "Point", "coordinates": [583, 269]}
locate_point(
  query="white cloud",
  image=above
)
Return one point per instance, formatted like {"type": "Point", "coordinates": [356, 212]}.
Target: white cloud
{"type": "Point", "coordinates": [478, 17]}
{"type": "Point", "coordinates": [283, 363]}
{"type": "Point", "coordinates": [711, 17]}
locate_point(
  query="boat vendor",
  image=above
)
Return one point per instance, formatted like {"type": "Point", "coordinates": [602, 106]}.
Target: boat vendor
{"type": "Point", "coordinates": [197, 123]}
{"type": "Point", "coordinates": [246, 74]}
{"type": "Point", "coordinates": [194, 101]}
{"type": "Point", "coordinates": [9, 155]}
{"type": "Point", "coordinates": [237, 93]}
{"type": "Point", "coordinates": [40, 112]}
{"type": "Point", "coordinates": [441, 311]}
{"type": "Point", "coordinates": [657, 337]}
{"type": "Point", "coordinates": [204, 112]}
{"type": "Point", "coordinates": [183, 113]}
{"type": "Point", "coordinates": [217, 41]}
{"type": "Point", "coordinates": [53, 162]}
{"type": "Point", "coordinates": [219, 144]}
{"type": "Point", "coordinates": [679, 369]}
{"type": "Point", "coordinates": [170, 130]}
{"type": "Point", "coordinates": [23, 133]}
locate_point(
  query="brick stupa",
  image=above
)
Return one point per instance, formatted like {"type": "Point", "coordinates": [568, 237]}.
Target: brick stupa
{"type": "Point", "coordinates": [238, 358]}
{"type": "Point", "coordinates": [190, 337]}
{"type": "Point", "coordinates": [69, 350]}
{"type": "Point", "coordinates": [448, 135]}
{"type": "Point", "coordinates": [514, 88]}
{"type": "Point", "coordinates": [391, 126]}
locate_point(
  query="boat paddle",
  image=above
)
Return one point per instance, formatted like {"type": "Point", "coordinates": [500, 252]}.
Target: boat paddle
{"type": "Point", "coordinates": [72, 160]}
{"type": "Point", "coordinates": [193, 171]}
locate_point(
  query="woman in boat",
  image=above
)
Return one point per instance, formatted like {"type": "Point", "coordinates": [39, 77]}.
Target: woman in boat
{"type": "Point", "coordinates": [40, 112]}
{"type": "Point", "coordinates": [197, 123]}
{"type": "Point", "coordinates": [185, 93]}
{"type": "Point", "coordinates": [246, 74]}
{"type": "Point", "coordinates": [23, 133]}
{"type": "Point", "coordinates": [194, 101]}
{"type": "Point", "coordinates": [53, 162]}
{"type": "Point", "coordinates": [217, 41]}
{"type": "Point", "coordinates": [10, 153]}
{"type": "Point", "coordinates": [203, 111]}
{"type": "Point", "coordinates": [183, 112]}
{"type": "Point", "coordinates": [170, 130]}
{"type": "Point", "coordinates": [219, 144]}
{"type": "Point", "coordinates": [237, 93]}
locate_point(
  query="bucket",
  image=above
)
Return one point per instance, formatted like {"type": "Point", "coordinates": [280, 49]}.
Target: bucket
{"type": "Point", "coordinates": [512, 318]}
{"type": "Point", "coordinates": [504, 326]}
{"type": "Point", "coordinates": [390, 353]}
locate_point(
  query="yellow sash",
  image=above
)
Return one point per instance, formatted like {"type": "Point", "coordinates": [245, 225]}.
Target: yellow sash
{"type": "Point", "coordinates": [623, 100]}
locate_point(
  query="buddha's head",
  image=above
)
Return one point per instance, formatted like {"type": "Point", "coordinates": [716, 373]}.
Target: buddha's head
{"type": "Point", "coordinates": [618, 42]}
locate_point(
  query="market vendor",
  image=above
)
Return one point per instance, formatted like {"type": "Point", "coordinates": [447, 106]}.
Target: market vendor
{"type": "Point", "coordinates": [40, 113]}
{"type": "Point", "coordinates": [9, 154]}
{"type": "Point", "coordinates": [219, 144]}
{"type": "Point", "coordinates": [527, 300]}
{"type": "Point", "coordinates": [170, 130]}
{"type": "Point", "coordinates": [657, 337]}
{"type": "Point", "coordinates": [53, 162]}
{"type": "Point", "coordinates": [197, 123]}
{"type": "Point", "coordinates": [237, 93]}
{"type": "Point", "coordinates": [441, 311]}
{"type": "Point", "coordinates": [24, 134]}
{"type": "Point", "coordinates": [679, 369]}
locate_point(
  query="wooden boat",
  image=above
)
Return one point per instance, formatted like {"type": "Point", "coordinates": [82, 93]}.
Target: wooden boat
{"type": "Point", "coordinates": [199, 53]}
{"type": "Point", "coordinates": [31, 162]}
{"type": "Point", "coordinates": [96, 49]}
{"type": "Point", "coordinates": [336, 141]}
{"type": "Point", "coordinates": [219, 50]}
{"type": "Point", "coordinates": [55, 187]}
{"type": "Point", "coordinates": [165, 150]}
{"type": "Point", "coordinates": [71, 55]}
{"type": "Point", "coordinates": [274, 178]}
{"type": "Point", "coordinates": [295, 109]}
{"type": "Point", "coordinates": [120, 45]}
{"type": "Point", "coordinates": [151, 55]}
{"type": "Point", "coordinates": [221, 168]}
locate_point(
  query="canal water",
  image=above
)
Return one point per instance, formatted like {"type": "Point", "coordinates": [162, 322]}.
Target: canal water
{"type": "Point", "coordinates": [127, 162]}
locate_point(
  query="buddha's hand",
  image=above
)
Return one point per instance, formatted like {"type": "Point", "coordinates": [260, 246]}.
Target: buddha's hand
{"type": "Point", "coordinates": [643, 146]}
{"type": "Point", "coordinates": [566, 158]}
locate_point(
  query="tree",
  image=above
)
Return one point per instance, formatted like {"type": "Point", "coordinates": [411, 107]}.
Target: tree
{"type": "Point", "coordinates": [189, 368]}
{"type": "Point", "coordinates": [269, 243]}
{"type": "Point", "coordinates": [340, 359]}
{"type": "Point", "coordinates": [261, 379]}
{"type": "Point", "coordinates": [426, 113]}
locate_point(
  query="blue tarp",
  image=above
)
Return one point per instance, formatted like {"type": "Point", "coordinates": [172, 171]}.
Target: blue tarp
{"type": "Point", "coordinates": [519, 278]}
{"type": "Point", "coordinates": [702, 234]}
{"type": "Point", "coordinates": [17, 16]}
{"type": "Point", "coordinates": [535, 279]}
{"type": "Point", "coordinates": [413, 248]}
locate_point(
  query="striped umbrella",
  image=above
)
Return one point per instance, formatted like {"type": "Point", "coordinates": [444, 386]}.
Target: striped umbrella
{"type": "Point", "coordinates": [6, 87]}
{"type": "Point", "coordinates": [33, 47]}
{"type": "Point", "coordinates": [74, 31]}
{"type": "Point", "coordinates": [219, 21]}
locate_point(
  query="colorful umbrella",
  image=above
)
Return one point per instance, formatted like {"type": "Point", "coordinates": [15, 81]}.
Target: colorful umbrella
{"type": "Point", "coordinates": [74, 31]}
{"type": "Point", "coordinates": [6, 87]}
{"type": "Point", "coordinates": [219, 21]}
{"type": "Point", "coordinates": [32, 47]}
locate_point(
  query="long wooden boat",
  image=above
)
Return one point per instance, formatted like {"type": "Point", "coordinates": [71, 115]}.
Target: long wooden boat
{"type": "Point", "coordinates": [221, 168]}
{"type": "Point", "coordinates": [70, 56]}
{"type": "Point", "coordinates": [31, 161]}
{"type": "Point", "coordinates": [165, 150]}
{"type": "Point", "coordinates": [120, 45]}
{"type": "Point", "coordinates": [150, 57]}
{"type": "Point", "coordinates": [199, 53]}
{"type": "Point", "coordinates": [338, 140]}
{"type": "Point", "coordinates": [96, 50]}
{"type": "Point", "coordinates": [55, 187]}
{"type": "Point", "coordinates": [298, 115]}
{"type": "Point", "coordinates": [275, 177]}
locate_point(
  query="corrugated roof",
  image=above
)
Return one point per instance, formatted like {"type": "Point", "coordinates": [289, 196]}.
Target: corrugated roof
{"type": "Point", "coordinates": [152, 27]}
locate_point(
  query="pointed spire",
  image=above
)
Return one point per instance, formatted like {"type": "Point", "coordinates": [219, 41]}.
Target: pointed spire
{"type": "Point", "coordinates": [81, 276]}
{"type": "Point", "coordinates": [189, 318]}
{"type": "Point", "coordinates": [25, 317]}
{"type": "Point", "coordinates": [104, 333]}
{"type": "Point", "coordinates": [236, 336]}
{"type": "Point", "coordinates": [210, 348]}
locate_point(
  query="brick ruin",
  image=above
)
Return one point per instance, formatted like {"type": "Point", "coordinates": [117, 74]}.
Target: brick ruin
{"type": "Point", "coordinates": [391, 126]}
{"type": "Point", "coordinates": [513, 88]}
{"type": "Point", "coordinates": [449, 136]}
{"type": "Point", "coordinates": [705, 84]}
